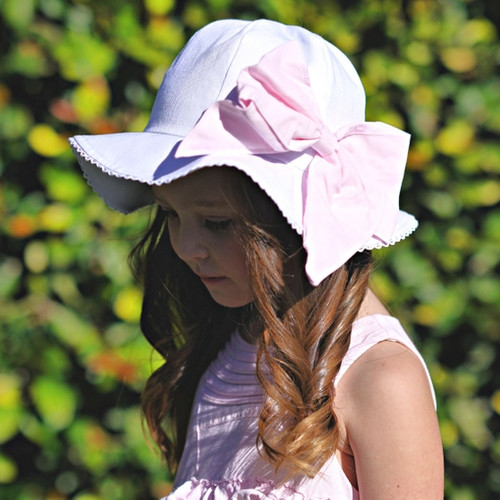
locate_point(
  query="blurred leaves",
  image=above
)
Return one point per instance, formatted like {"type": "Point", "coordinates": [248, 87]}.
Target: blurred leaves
{"type": "Point", "coordinates": [46, 142]}
{"type": "Point", "coordinates": [72, 359]}
{"type": "Point", "coordinates": [83, 55]}
{"type": "Point", "coordinates": [55, 401]}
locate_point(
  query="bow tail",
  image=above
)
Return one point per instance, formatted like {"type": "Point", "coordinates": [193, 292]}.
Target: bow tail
{"type": "Point", "coordinates": [335, 223]}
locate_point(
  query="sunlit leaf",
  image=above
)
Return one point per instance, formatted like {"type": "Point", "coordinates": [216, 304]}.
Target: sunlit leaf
{"type": "Point", "coordinates": [126, 24]}
{"type": "Point", "coordinates": [478, 31]}
{"type": "Point", "coordinates": [36, 256]}
{"type": "Point", "coordinates": [471, 415]}
{"type": "Point", "coordinates": [195, 16]}
{"type": "Point", "coordinates": [419, 53]}
{"type": "Point", "coordinates": [61, 254]}
{"type": "Point", "coordinates": [128, 304]}
{"type": "Point", "coordinates": [112, 364]}
{"type": "Point", "coordinates": [18, 14]}
{"type": "Point", "coordinates": [456, 138]}
{"type": "Point", "coordinates": [442, 203]}
{"type": "Point", "coordinates": [441, 310]}
{"type": "Point", "coordinates": [10, 391]}
{"type": "Point", "coordinates": [11, 419]}
{"type": "Point", "coordinates": [16, 121]}
{"type": "Point", "coordinates": [420, 155]}
{"type": "Point", "coordinates": [485, 259]}
{"type": "Point", "coordinates": [38, 284]}
{"type": "Point", "coordinates": [413, 269]}
{"type": "Point", "coordinates": [480, 193]}
{"type": "Point", "coordinates": [82, 56]}
{"type": "Point", "coordinates": [93, 446]}
{"type": "Point", "coordinates": [495, 401]}
{"type": "Point", "coordinates": [37, 431]}
{"type": "Point", "coordinates": [491, 226]}
{"type": "Point", "coordinates": [73, 330]}
{"type": "Point", "coordinates": [459, 238]}
{"type": "Point", "coordinates": [436, 176]}
{"type": "Point", "coordinates": [87, 496]}
{"type": "Point", "coordinates": [404, 74]}
{"type": "Point", "coordinates": [483, 157]}
{"type": "Point", "coordinates": [45, 141]}
{"type": "Point", "coordinates": [10, 270]}
{"type": "Point", "coordinates": [91, 99]}
{"type": "Point", "coordinates": [449, 433]}
{"type": "Point", "coordinates": [486, 289]}
{"type": "Point", "coordinates": [8, 469]}
{"type": "Point", "coordinates": [159, 7]}
{"type": "Point", "coordinates": [138, 124]}
{"type": "Point", "coordinates": [63, 110]}
{"type": "Point", "coordinates": [145, 360]}
{"type": "Point", "coordinates": [219, 4]}
{"type": "Point", "coordinates": [451, 260]}
{"type": "Point", "coordinates": [28, 59]}
{"type": "Point", "coordinates": [165, 33]}
{"type": "Point", "coordinates": [21, 225]}
{"type": "Point", "coordinates": [459, 59]}
{"type": "Point", "coordinates": [63, 185]}
{"type": "Point", "coordinates": [53, 8]}
{"type": "Point", "coordinates": [54, 400]}
{"type": "Point", "coordinates": [55, 218]}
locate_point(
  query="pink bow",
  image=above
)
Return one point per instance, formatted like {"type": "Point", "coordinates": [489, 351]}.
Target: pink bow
{"type": "Point", "coordinates": [351, 186]}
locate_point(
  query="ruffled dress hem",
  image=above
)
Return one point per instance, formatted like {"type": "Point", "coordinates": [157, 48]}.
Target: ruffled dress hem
{"type": "Point", "coordinates": [233, 489]}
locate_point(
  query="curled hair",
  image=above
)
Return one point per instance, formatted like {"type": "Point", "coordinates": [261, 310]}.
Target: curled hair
{"type": "Point", "coordinates": [302, 332]}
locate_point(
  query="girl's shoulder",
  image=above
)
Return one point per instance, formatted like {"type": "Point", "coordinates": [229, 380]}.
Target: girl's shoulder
{"type": "Point", "coordinates": [387, 408]}
{"type": "Point", "coordinates": [380, 338]}
{"type": "Point", "coordinates": [382, 355]}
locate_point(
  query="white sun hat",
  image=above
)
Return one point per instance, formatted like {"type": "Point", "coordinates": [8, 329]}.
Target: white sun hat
{"type": "Point", "coordinates": [285, 107]}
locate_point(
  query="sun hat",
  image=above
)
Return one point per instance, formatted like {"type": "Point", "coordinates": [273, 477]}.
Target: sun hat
{"type": "Point", "coordinates": [282, 105]}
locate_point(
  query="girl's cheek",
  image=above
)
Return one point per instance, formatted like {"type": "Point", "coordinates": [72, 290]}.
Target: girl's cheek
{"type": "Point", "coordinates": [173, 236]}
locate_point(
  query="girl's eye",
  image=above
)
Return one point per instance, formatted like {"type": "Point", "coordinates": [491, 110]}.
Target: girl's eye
{"type": "Point", "coordinates": [217, 225]}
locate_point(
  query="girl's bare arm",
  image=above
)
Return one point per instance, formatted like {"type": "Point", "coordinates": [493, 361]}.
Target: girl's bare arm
{"type": "Point", "coordinates": [391, 425]}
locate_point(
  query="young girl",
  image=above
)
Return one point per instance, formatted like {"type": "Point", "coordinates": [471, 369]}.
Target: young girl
{"type": "Point", "coordinates": [284, 376]}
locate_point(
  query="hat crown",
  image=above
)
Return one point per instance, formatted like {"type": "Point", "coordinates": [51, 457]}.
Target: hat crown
{"type": "Point", "coordinates": [207, 68]}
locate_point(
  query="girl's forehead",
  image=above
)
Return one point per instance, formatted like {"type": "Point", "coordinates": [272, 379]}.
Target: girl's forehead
{"type": "Point", "coordinates": [205, 187]}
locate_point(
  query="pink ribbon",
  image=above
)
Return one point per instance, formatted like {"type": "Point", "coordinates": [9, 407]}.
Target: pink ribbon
{"type": "Point", "coordinates": [351, 186]}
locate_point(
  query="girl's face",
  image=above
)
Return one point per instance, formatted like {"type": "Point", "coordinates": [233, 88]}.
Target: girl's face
{"type": "Point", "coordinates": [199, 224]}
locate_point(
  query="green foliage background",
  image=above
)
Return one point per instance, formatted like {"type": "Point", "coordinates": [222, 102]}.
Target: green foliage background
{"type": "Point", "coordinates": [72, 361]}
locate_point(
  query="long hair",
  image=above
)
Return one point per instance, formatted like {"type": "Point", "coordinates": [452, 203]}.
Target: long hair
{"type": "Point", "coordinates": [303, 333]}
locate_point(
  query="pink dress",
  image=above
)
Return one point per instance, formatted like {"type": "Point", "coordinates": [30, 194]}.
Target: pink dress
{"type": "Point", "coordinates": [220, 460]}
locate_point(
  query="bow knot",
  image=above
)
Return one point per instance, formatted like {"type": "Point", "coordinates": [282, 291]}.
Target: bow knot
{"type": "Point", "coordinates": [327, 143]}
{"type": "Point", "coordinates": [350, 188]}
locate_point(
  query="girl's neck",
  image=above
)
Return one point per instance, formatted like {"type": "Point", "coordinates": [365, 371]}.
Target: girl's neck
{"type": "Point", "coordinates": [250, 333]}
{"type": "Point", "coordinates": [371, 305]}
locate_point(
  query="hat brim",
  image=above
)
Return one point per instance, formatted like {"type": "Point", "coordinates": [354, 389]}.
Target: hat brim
{"type": "Point", "coordinates": [121, 168]}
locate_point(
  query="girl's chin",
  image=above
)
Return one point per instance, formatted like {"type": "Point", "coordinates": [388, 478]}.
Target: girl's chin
{"type": "Point", "coordinates": [231, 302]}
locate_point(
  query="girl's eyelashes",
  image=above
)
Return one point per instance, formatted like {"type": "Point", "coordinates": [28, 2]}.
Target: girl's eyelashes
{"type": "Point", "coordinates": [211, 224]}
{"type": "Point", "coordinates": [218, 225]}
